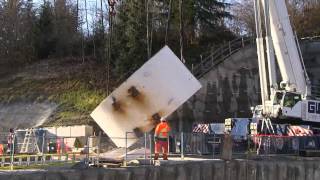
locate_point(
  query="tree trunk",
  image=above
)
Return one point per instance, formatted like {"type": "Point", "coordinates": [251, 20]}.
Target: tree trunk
{"type": "Point", "coordinates": [181, 30]}
{"type": "Point", "coordinates": [168, 22]}
{"type": "Point", "coordinates": [87, 23]}
{"type": "Point", "coordinates": [147, 24]}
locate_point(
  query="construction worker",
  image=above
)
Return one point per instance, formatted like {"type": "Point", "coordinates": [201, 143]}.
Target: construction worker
{"type": "Point", "coordinates": [161, 139]}
{"type": "Point", "coordinates": [1, 149]}
{"type": "Point", "coordinates": [10, 141]}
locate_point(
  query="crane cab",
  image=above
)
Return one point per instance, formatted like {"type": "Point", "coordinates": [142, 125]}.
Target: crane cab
{"type": "Point", "coordinates": [291, 106]}
{"type": "Point", "coordinates": [286, 104]}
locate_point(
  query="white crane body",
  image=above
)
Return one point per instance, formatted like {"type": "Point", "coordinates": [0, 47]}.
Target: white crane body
{"type": "Point", "coordinates": [291, 99]}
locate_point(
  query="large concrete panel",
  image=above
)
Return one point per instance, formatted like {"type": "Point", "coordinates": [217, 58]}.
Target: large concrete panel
{"type": "Point", "coordinates": [160, 86]}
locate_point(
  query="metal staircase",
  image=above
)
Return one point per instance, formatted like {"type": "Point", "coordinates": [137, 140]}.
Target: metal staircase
{"type": "Point", "coordinates": [220, 54]}
{"type": "Point", "coordinates": [226, 50]}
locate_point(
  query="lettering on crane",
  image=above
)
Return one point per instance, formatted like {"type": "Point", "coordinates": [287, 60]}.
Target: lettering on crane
{"type": "Point", "coordinates": [314, 107]}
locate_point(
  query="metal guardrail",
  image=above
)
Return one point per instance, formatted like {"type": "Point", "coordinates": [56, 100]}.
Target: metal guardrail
{"type": "Point", "coordinates": [30, 159]}
{"type": "Point", "coordinates": [219, 55]}
{"type": "Point", "coordinates": [315, 90]}
{"type": "Point", "coordinates": [179, 145]}
{"type": "Point", "coordinates": [312, 38]}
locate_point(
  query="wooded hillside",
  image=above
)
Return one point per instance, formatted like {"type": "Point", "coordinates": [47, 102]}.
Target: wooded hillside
{"type": "Point", "coordinates": [86, 50]}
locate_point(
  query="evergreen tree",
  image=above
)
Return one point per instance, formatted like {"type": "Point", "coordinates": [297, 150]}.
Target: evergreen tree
{"type": "Point", "coordinates": [129, 43]}
{"type": "Point", "coordinates": [45, 41]}
{"type": "Point", "coordinates": [203, 27]}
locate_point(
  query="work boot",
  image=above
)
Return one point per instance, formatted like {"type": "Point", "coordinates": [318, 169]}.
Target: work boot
{"type": "Point", "coordinates": [165, 157]}
{"type": "Point", "coordinates": [156, 156]}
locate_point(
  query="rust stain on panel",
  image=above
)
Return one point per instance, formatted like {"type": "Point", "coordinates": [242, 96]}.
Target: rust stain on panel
{"type": "Point", "coordinates": [138, 99]}
{"type": "Point", "coordinates": [117, 106]}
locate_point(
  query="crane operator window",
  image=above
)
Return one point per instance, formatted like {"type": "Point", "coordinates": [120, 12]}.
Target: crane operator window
{"type": "Point", "coordinates": [277, 98]}
{"type": "Point", "coordinates": [290, 99]}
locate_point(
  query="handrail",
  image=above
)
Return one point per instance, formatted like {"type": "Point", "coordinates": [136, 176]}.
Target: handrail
{"type": "Point", "coordinates": [219, 55]}
{"type": "Point", "coordinates": [315, 90]}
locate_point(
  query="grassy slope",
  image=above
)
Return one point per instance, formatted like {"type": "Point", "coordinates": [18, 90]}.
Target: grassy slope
{"type": "Point", "coordinates": [75, 86]}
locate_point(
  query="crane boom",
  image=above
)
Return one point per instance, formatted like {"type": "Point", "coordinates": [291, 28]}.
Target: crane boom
{"type": "Point", "coordinates": [286, 48]}
{"type": "Point", "coordinates": [292, 99]}
{"type": "Point", "coordinates": [260, 52]}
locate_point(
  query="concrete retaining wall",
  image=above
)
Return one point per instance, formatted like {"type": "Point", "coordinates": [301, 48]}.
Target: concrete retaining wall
{"type": "Point", "coordinates": [196, 170]}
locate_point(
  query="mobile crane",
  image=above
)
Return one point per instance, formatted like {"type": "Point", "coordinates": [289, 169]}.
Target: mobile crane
{"type": "Point", "coordinates": [291, 102]}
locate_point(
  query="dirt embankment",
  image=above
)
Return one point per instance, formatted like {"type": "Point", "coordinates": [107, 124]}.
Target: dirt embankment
{"type": "Point", "coordinates": [51, 92]}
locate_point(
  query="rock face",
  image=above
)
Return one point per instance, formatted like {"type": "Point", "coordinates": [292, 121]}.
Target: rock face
{"type": "Point", "coordinates": [232, 87]}
{"type": "Point", "coordinates": [24, 114]}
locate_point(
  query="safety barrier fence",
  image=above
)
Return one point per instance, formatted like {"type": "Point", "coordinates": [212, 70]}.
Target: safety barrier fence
{"type": "Point", "coordinates": [95, 149]}
{"type": "Point", "coordinates": [29, 159]}
{"type": "Point", "coordinates": [22, 149]}
{"type": "Point", "coordinates": [273, 144]}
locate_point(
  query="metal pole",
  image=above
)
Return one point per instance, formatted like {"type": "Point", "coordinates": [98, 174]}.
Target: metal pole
{"type": "Point", "coordinates": [145, 147]}
{"type": "Point", "coordinates": [182, 146]}
{"type": "Point", "coordinates": [42, 147]}
{"type": "Point", "coordinates": [213, 145]}
{"type": "Point", "coordinates": [87, 150]}
{"type": "Point", "coordinates": [98, 151]}
{"type": "Point", "coordinates": [201, 63]}
{"type": "Point", "coordinates": [248, 148]}
{"type": "Point", "coordinates": [192, 68]}
{"type": "Point", "coordinates": [168, 142]}
{"type": "Point", "coordinates": [125, 157]}
{"type": "Point", "coordinates": [242, 42]}
{"type": "Point", "coordinates": [150, 146]}
{"type": "Point", "coordinates": [12, 152]}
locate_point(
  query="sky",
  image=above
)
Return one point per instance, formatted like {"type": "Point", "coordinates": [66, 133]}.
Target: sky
{"type": "Point", "coordinates": [93, 6]}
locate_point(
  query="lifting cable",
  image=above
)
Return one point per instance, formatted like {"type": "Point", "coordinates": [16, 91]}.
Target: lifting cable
{"type": "Point", "coordinates": [112, 13]}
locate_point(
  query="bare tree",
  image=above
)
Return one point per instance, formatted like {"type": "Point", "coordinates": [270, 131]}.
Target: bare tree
{"type": "Point", "coordinates": [243, 17]}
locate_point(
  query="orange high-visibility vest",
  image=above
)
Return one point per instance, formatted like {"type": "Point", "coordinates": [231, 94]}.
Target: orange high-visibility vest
{"type": "Point", "coordinates": [162, 130]}
{"type": "Point", "coordinates": [1, 149]}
